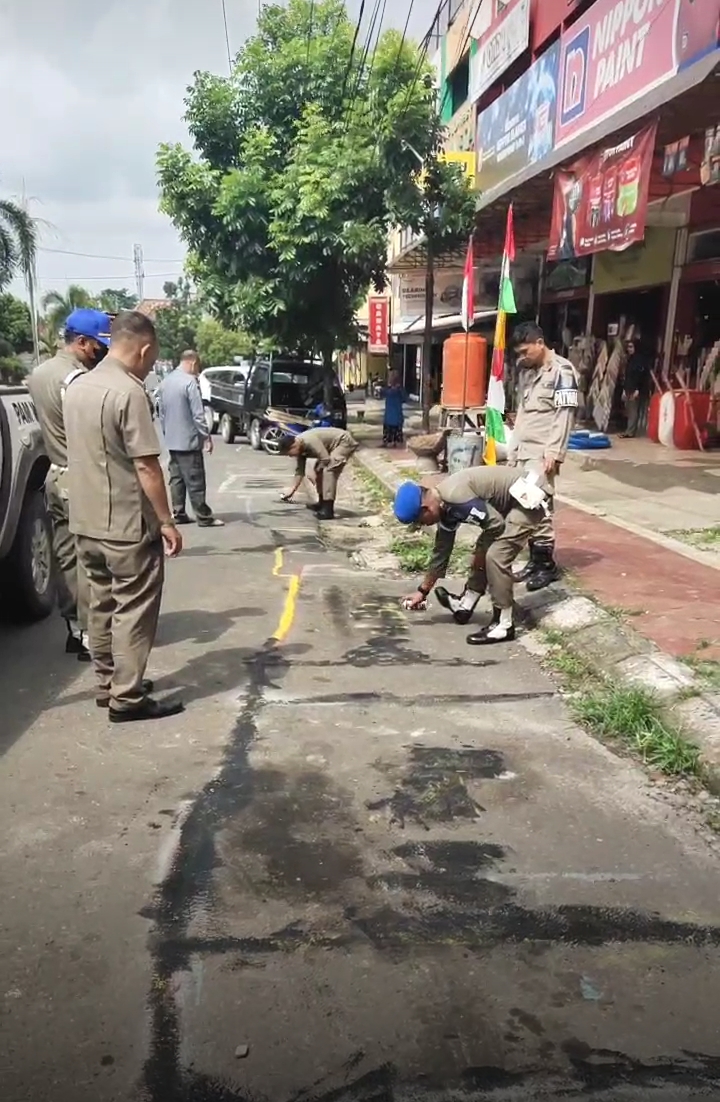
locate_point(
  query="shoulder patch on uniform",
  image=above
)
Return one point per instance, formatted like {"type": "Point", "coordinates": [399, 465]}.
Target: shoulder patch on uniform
{"type": "Point", "coordinates": [70, 379]}
{"type": "Point", "coordinates": [566, 387]}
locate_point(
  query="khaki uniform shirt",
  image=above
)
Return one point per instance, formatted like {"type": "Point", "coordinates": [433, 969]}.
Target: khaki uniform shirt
{"type": "Point", "coordinates": [546, 412]}
{"type": "Point", "coordinates": [46, 388]}
{"type": "Point", "coordinates": [319, 444]}
{"type": "Point", "coordinates": [109, 424]}
{"type": "Point", "coordinates": [479, 496]}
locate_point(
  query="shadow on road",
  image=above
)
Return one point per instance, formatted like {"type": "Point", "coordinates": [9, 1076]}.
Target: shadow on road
{"type": "Point", "coordinates": [34, 671]}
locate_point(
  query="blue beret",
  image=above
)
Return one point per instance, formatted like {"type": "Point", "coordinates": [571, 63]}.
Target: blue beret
{"type": "Point", "coordinates": [408, 502]}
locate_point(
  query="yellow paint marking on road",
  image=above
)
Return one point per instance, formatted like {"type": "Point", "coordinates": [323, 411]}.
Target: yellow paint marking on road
{"type": "Point", "coordinates": [288, 612]}
{"type": "Point", "coordinates": [278, 562]}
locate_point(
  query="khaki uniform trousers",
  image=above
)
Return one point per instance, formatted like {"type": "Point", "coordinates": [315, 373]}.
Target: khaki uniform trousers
{"type": "Point", "coordinates": [72, 583]}
{"type": "Point", "coordinates": [126, 582]}
{"type": "Point", "coordinates": [545, 534]}
{"type": "Point", "coordinates": [496, 551]}
{"type": "Point", "coordinates": [339, 456]}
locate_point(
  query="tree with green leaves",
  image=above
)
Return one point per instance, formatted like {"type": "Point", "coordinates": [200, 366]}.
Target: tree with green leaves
{"type": "Point", "coordinates": [18, 242]}
{"type": "Point", "coordinates": [306, 157]}
{"type": "Point", "coordinates": [217, 345]}
{"type": "Point", "coordinates": [113, 300]}
{"type": "Point", "coordinates": [176, 323]}
{"type": "Point", "coordinates": [15, 325]}
{"type": "Point", "coordinates": [58, 306]}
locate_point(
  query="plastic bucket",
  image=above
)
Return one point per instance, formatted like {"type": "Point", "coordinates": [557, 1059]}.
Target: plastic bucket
{"type": "Point", "coordinates": [464, 451]}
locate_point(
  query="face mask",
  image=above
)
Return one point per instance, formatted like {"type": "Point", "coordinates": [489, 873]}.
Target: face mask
{"type": "Point", "coordinates": [99, 354]}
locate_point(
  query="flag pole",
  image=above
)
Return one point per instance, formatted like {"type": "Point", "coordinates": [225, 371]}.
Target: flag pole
{"type": "Point", "coordinates": [468, 319]}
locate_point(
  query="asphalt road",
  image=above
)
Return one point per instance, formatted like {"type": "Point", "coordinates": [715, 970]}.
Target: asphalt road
{"type": "Point", "coordinates": [388, 865]}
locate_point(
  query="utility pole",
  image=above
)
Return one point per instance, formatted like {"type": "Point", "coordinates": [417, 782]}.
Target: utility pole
{"type": "Point", "coordinates": [31, 284]}
{"type": "Point", "coordinates": [139, 272]}
{"type": "Point", "coordinates": [426, 374]}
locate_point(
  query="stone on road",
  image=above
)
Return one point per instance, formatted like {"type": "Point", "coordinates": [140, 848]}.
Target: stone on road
{"type": "Point", "coordinates": [366, 865]}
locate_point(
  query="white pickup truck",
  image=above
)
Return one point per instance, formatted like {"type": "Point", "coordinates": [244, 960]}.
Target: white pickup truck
{"type": "Point", "coordinates": [26, 574]}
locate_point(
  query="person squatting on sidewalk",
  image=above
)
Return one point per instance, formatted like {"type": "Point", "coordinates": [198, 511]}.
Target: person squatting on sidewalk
{"type": "Point", "coordinates": [87, 336]}
{"type": "Point", "coordinates": [548, 401]}
{"type": "Point", "coordinates": [186, 435]}
{"type": "Point", "coordinates": [508, 507]}
{"type": "Point", "coordinates": [331, 449]}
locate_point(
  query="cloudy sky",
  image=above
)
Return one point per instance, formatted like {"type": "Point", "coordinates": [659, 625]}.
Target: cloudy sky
{"type": "Point", "coordinates": [88, 91]}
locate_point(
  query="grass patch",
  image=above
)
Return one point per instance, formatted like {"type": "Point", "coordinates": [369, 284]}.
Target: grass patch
{"type": "Point", "coordinates": [708, 538]}
{"type": "Point", "coordinates": [707, 669]}
{"type": "Point", "coordinates": [634, 717]}
{"type": "Point", "coordinates": [414, 553]}
{"type": "Point", "coordinates": [624, 715]}
{"type": "Point", "coordinates": [374, 490]}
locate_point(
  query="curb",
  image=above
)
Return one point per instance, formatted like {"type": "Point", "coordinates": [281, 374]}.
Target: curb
{"type": "Point", "coordinates": [618, 651]}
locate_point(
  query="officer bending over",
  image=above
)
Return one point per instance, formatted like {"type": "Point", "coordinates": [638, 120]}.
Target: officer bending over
{"type": "Point", "coordinates": [331, 449]}
{"type": "Point", "coordinates": [507, 507]}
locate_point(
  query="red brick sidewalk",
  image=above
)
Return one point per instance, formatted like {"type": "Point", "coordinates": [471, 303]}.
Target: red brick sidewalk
{"type": "Point", "coordinates": [675, 601]}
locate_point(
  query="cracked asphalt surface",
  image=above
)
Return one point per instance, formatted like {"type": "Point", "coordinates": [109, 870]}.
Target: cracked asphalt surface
{"type": "Point", "coordinates": [389, 865]}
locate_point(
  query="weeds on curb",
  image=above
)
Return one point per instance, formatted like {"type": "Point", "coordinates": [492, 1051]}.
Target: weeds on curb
{"type": "Point", "coordinates": [414, 554]}
{"type": "Point", "coordinates": [622, 714]}
{"type": "Point", "coordinates": [707, 539]}
{"type": "Point", "coordinates": [376, 491]}
{"type": "Point", "coordinates": [633, 716]}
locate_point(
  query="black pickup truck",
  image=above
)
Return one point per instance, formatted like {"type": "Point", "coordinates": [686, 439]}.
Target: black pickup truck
{"type": "Point", "coordinates": [291, 385]}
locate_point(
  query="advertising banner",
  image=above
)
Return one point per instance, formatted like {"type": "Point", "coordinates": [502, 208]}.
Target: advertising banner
{"type": "Point", "coordinates": [518, 129]}
{"type": "Point", "coordinates": [600, 201]}
{"type": "Point", "coordinates": [378, 325]}
{"type": "Point", "coordinates": [623, 48]}
{"type": "Point", "coordinates": [506, 38]}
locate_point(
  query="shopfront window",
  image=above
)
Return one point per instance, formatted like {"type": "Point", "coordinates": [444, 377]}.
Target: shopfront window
{"type": "Point", "coordinates": [704, 246]}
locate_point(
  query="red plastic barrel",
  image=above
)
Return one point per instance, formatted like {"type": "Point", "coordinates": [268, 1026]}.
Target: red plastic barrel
{"type": "Point", "coordinates": [692, 409]}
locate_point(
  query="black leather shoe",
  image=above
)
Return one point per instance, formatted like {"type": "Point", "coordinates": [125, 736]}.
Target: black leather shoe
{"type": "Point", "coordinates": [104, 701]}
{"type": "Point", "coordinates": [75, 646]}
{"type": "Point", "coordinates": [449, 600]}
{"type": "Point", "coordinates": [326, 510]}
{"type": "Point", "coordinates": [149, 709]}
{"type": "Point", "coordinates": [482, 639]}
{"type": "Point", "coordinates": [314, 506]}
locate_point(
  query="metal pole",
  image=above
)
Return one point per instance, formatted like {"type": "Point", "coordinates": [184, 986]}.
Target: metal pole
{"type": "Point", "coordinates": [427, 337]}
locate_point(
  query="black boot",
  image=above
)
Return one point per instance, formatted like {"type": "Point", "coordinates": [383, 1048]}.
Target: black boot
{"type": "Point", "coordinates": [481, 639]}
{"type": "Point", "coordinates": [326, 510]}
{"type": "Point", "coordinates": [547, 570]}
{"type": "Point", "coordinates": [532, 565]}
{"type": "Point", "coordinates": [75, 645]}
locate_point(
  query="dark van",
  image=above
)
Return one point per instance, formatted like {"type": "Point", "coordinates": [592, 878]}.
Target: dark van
{"type": "Point", "coordinates": [281, 382]}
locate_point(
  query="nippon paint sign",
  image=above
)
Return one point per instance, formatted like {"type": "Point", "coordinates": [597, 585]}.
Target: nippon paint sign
{"type": "Point", "coordinates": [507, 37]}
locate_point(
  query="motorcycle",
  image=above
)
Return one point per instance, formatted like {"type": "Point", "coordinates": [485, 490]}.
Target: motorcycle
{"type": "Point", "coordinates": [280, 424]}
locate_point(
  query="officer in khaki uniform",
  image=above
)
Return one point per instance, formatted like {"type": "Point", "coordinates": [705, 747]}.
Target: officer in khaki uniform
{"type": "Point", "coordinates": [507, 508]}
{"type": "Point", "coordinates": [546, 414]}
{"type": "Point", "coordinates": [87, 336]}
{"type": "Point", "coordinates": [331, 449]}
{"type": "Point", "coordinates": [120, 516]}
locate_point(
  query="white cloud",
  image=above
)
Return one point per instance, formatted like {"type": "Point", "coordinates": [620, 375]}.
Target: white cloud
{"type": "Point", "coordinates": [88, 92]}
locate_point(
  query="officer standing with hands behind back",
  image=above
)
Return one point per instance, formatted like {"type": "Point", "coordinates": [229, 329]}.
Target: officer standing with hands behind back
{"type": "Point", "coordinates": [120, 515]}
{"type": "Point", "coordinates": [546, 414]}
{"type": "Point", "coordinates": [87, 336]}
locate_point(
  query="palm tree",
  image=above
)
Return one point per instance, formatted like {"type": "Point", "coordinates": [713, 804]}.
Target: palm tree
{"type": "Point", "coordinates": [58, 306]}
{"type": "Point", "coordinates": [18, 242]}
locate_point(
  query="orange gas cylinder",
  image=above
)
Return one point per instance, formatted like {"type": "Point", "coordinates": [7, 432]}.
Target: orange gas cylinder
{"type": "Point", "coordinates": [461, 350]}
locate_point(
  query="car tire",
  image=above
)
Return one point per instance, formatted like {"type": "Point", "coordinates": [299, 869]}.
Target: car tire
{"type": "Point", "coordinates": [210, 420]}
{"type": "Point", "coordinates": [255, 434]}
{"type": "Point", "coordinates": [227, 428]}
{"type": "Point", "coordinates": [29, 586]}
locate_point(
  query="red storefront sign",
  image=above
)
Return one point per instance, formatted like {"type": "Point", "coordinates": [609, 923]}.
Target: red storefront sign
{"type": "Point", "coordinates": [378, 325]}
{"type": "Point", "coordinates": [600, 201]}
{"type": "Point", "coordinates": [623, 48]}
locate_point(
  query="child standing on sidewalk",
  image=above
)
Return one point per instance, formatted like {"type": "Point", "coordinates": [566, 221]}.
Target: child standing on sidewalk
{"type": "Point", "coordinates": [394, 418]}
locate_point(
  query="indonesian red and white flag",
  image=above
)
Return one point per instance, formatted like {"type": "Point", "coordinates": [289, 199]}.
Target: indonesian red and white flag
{"type": "Point", "coordinates": [468, 289]}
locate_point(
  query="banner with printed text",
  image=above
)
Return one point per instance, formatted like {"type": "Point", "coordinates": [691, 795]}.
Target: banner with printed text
{"type": "Point", "coordinates": [623, 48]}
{"type": "Point", "coordinates": [600, 202]}
{"type": "Point", "coordinates": [378, 325]}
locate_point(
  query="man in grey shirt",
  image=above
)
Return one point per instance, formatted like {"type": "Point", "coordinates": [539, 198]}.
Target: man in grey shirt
{"type": "Point", "coordinates": [182, 419]}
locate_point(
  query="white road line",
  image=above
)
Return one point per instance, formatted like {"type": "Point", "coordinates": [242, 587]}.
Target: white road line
{"type": "Point", "coordinates": [228, 482]}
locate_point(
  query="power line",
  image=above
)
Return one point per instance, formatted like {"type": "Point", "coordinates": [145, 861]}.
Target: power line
{"type": "Point", "coordinates": [227, 36]}
{"type": "Point", "coordinates": [363, 61]}
{"type": "Point", "coordinates": [103, 256]}
{"type": "Point", "coordinates": [109, 279]}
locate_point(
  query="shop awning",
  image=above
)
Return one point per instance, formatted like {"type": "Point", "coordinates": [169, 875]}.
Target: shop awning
{"type": "Point", "coordinates": [416, 326]}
